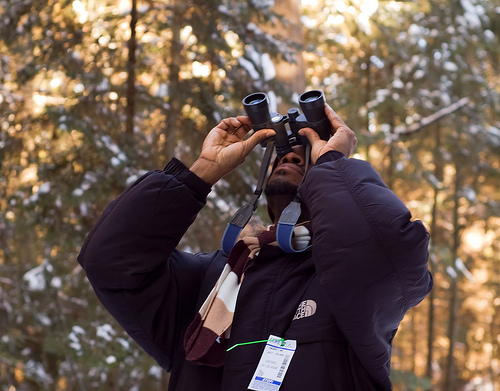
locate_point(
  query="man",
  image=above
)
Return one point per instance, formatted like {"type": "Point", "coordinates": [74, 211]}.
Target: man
{"type": "Point", "coordinates": [337, 305]}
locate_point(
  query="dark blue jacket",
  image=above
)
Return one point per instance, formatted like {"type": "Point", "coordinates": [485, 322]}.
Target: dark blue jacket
{"type": "Point", "coordinates": [367, 267]}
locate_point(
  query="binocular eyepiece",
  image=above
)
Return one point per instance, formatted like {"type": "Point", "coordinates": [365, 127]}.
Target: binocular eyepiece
{"type": "Point", "coordinates": [312, 104]}
{"type": "Point", "coordinates": [257, 108]}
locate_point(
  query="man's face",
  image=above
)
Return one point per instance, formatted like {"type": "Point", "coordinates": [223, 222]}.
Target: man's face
{"type": "Point", "coordinates": [288, 174]}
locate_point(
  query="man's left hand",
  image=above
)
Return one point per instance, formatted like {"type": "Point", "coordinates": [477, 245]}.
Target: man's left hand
{"type": "Point", "coordinates": [343, 140]}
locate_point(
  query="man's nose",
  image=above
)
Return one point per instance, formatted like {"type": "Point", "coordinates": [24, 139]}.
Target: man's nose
{"type": "Point", "coordinates": [292, 157]}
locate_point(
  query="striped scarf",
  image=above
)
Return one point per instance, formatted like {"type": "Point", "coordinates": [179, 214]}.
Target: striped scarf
{"type": "Point", "coordinates": [206, 337]}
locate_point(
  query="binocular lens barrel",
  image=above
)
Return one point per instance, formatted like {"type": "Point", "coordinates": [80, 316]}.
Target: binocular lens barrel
{"type": "Point", "coordinates": [257, 108]}
{"type": "Point", "coordinates": [312, 104]}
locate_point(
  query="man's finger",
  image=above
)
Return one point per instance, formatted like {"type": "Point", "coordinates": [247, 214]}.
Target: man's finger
{"type": "Point", "coordinates": [311, 135]}
{"type": "Point", "coordinates": [243, 119]}
{"type": "Point", "coordinates": [334, 118]}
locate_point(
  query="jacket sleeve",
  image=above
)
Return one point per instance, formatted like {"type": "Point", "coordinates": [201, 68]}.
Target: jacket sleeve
{"type": "Point", "coordinates": [371, 258]}
{"type": "Point", "coordinates": [131, 261]}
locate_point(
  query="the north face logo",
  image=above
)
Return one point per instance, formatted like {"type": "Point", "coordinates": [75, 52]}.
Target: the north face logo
{"type": "Point", "coordinates": [305, 309]}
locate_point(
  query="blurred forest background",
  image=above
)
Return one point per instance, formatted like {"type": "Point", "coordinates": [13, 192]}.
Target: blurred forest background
{"type": "Point", "coordinates": [93, 93]}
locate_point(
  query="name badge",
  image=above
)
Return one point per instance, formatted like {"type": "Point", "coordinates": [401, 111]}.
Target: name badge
{"type": "Point", "coordinates": [273, 364]}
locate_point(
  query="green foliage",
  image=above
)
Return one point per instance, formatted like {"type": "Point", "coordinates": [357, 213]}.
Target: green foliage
{"type": "Point", "coordinates": [408, 381]}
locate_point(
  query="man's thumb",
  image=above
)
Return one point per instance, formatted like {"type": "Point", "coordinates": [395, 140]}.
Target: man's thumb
{"type": "Point", "coordinates": [251, 142]}
{"type": "Point", "coordinates": [259, 136]}
{"type": "Point", "coordinates": [311, 135]}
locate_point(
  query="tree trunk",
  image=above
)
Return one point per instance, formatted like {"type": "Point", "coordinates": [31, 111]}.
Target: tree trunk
{"type": "Point", "coordinates": [174, 91]}
{"type": "Point", "coordinates": [430, 333]}
{"type": "Point", "coordinates": [367, 97]}
{"type": "Point", "coordinates": [291, 74]}
{"type": "Point", "coordinates": [132, 45]}
{"type": "Point", "coordinates": [390, 122]}
{"type": "Point", "coordinates": [450, 376]}
{"type": "Point", "coordinates": [164, 381]}
{"type": "Point", "coordinates": [414, 340]}
{"type": "Point", "coordinates": [438, 174]}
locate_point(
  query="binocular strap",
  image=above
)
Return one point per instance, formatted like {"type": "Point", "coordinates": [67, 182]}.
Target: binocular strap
{"type": "Point", "coordinates": [243, 215]}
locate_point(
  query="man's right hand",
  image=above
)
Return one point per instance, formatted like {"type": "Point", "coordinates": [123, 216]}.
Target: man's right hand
{"type": "Point", "coordinates": [224, 148]}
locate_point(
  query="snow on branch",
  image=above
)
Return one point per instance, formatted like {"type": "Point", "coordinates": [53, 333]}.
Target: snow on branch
{"type": "Point", "coordinates": [402, 129]}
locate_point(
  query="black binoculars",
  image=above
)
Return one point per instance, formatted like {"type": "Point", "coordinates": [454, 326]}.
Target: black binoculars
{"type": "Point", "coordinates": [312, 104]}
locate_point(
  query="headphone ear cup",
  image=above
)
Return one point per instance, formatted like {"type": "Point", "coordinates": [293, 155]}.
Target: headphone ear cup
{"type": "Point", "coordinates": [301, 237]}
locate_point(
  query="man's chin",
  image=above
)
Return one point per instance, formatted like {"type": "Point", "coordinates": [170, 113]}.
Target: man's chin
{"type": "Point", "coordinates": [279, 187]}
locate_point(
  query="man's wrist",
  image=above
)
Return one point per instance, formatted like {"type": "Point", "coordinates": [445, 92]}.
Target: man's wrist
{"type": "Point", "coordinates": [206, 170]}
{"type": "Point", "coordinates": [176, 168]}
{"type": "Point", "coordinates": [330, 156]}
